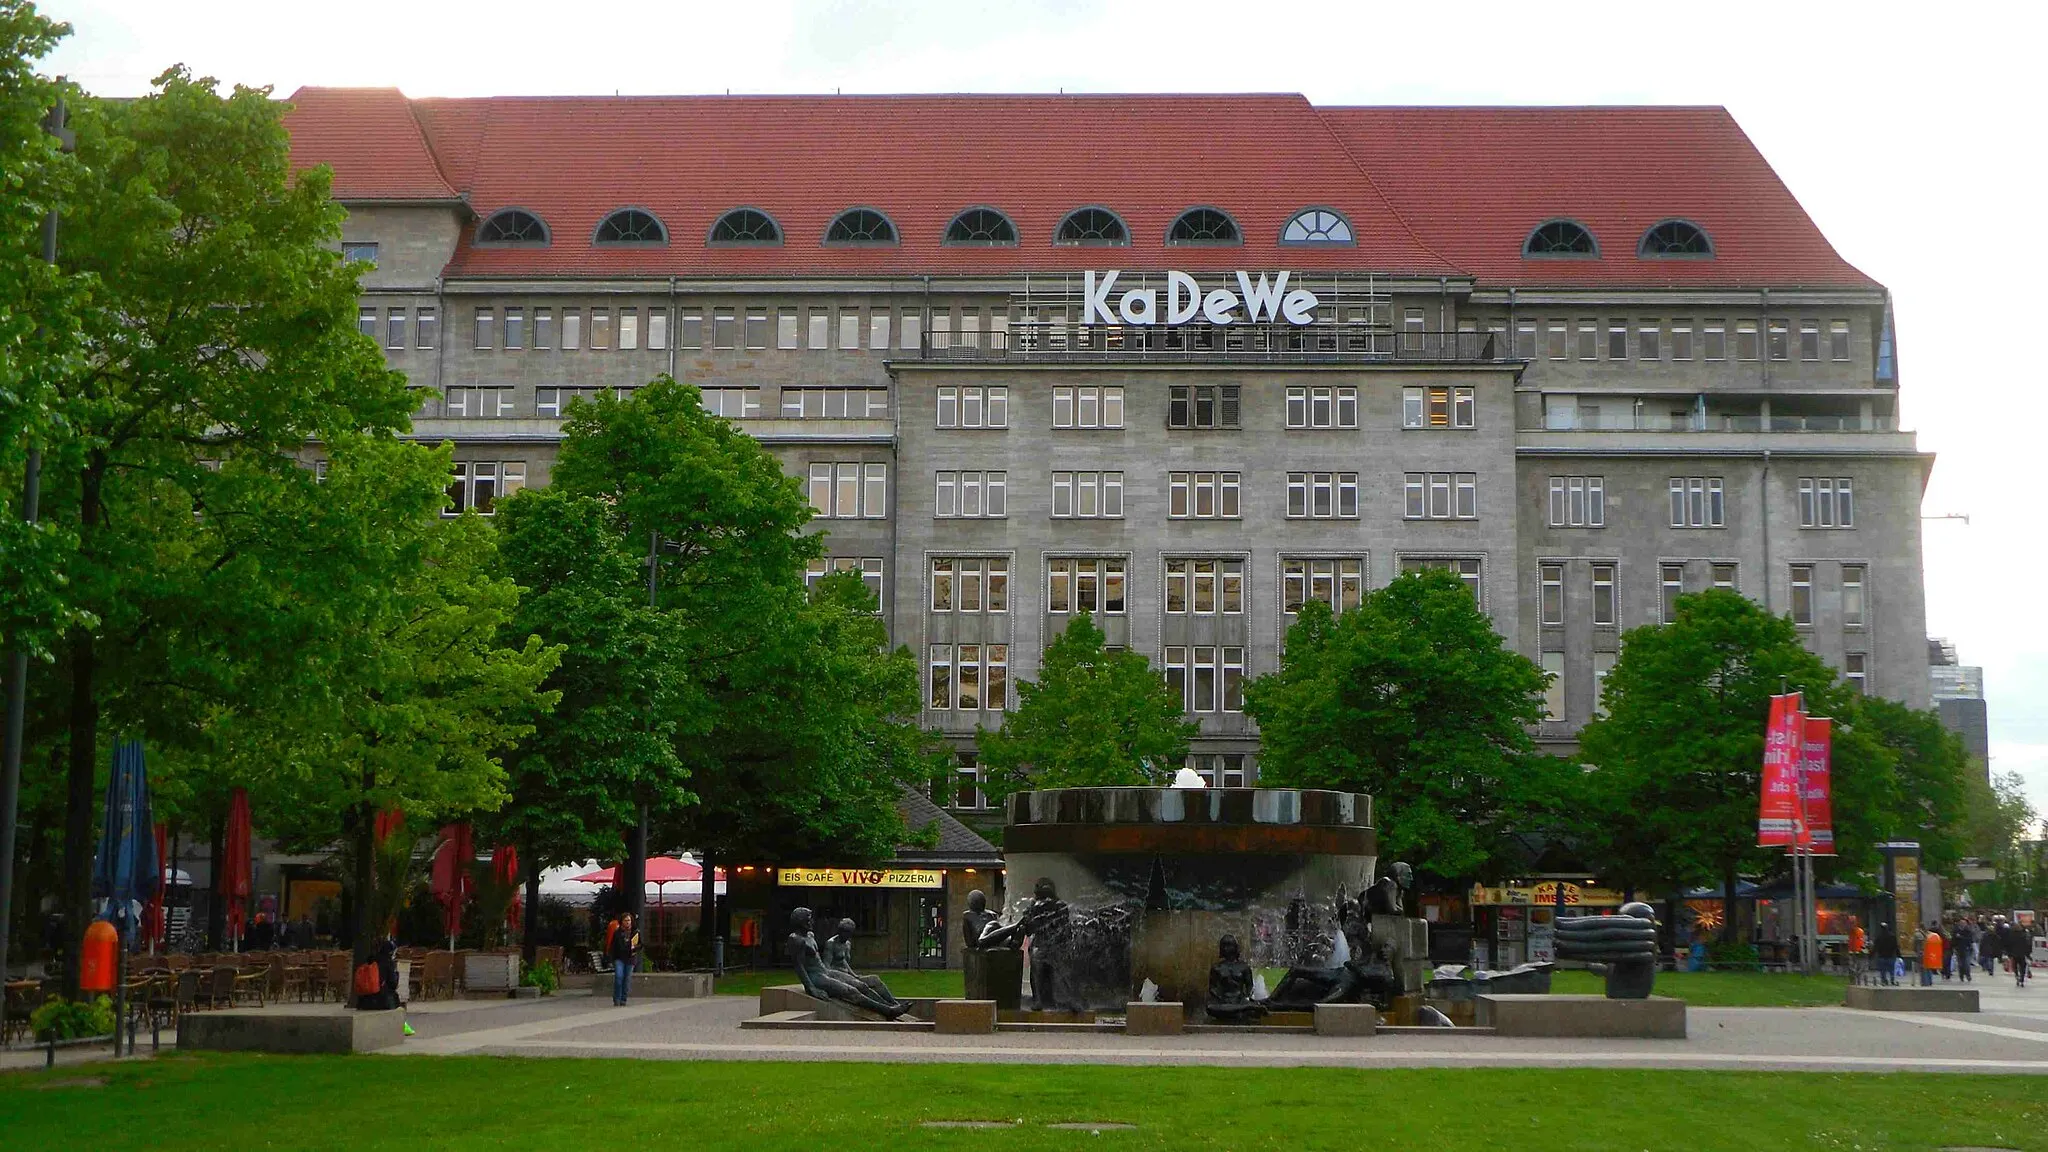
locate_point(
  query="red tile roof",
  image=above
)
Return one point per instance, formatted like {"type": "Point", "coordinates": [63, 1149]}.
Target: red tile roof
{"type": "Point", "coordinates": [1427, 191]}
{"type": "Point", "coordinates": [369, 138]}
{"type": "Point", "coordinates": [1473, 182]}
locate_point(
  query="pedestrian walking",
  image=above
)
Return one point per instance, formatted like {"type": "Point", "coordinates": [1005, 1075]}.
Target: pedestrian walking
{"type": "Point", "coordinates": [1989, 944]}
{"type": "Point", "coordinates": [623, 951]}
{"type": "Point", "coordinates": [1859, 963]}
{"type": "Point", "coordinates": [1964, 946]}
{"type": "Point", "coordinates": [1887, 950]}
{"type": "Point", "coordinates": [2018, 949]}
{"type": "Point", "coordinates": [1931, 956]}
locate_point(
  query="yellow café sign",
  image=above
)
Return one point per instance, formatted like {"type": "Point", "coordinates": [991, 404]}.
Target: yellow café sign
{"type": "Point", "coordinates": [860, 878]}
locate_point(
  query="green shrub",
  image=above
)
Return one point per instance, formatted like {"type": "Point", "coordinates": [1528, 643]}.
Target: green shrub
{"type": "Point", "coordinates": [1733, 957]}
{"type": "Point", "coordinates": [541, 974]}
{"type": "Point", "coordinates": [63, 1019]}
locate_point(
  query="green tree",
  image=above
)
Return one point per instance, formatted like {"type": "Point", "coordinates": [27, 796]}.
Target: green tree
{"type": "Point", "coordinates": [219, 338]}
{"type": "Point", "coordinates": [1925, 771]}
{"type": "Point", "coordinates": [1413, 697]}
{"type": "Point", "coordinates": [1093, 718]}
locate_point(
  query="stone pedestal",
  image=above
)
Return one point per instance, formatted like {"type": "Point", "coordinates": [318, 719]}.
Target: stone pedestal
{"type": "Point", "coordinates": [490, 971]}
{"type": "Point", "coordinates": [291, 1028]}
{"type": "Point", "coordinates": [1657, 1018]}
{"type": "Point", "coordinates": [994, 974]}
{"type": "Point", "coordinates": [1407, 941]}
{"type": "Point", "coordinates": [1903, 998]}
{"type": "Point", "coordinates": [1346, 1019]}
{"type": "Point", "coordinates": [1161, 1018]}
{"type": "Point", "coordinates": [966, 1017]}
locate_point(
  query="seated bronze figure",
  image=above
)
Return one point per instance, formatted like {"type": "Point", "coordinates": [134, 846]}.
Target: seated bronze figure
{"type": "Point", "coordinates": [838, 952]}
{"type": "Point", "coordinates": [1230, 986]}
{"type": "Point", "coordinates": [827, 984]}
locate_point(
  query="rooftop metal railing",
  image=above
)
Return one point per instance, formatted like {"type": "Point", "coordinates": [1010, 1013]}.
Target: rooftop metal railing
{"type": "Point", "coordinates": [1055, 342]}
{"type": "Point", "coordinates": [1627, 420]}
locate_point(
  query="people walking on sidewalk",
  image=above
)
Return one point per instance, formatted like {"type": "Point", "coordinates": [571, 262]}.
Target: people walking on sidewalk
{"type": "Point", "coordinates": [623, 951]}
{"type": "Point", "coordinates": [1964, 945]}
{"type": "Point", "coordinates": [2019, 945]}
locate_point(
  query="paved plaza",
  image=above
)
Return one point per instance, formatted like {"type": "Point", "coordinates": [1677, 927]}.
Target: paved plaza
{"type": "Point", "coordinates": [2009, 1035]}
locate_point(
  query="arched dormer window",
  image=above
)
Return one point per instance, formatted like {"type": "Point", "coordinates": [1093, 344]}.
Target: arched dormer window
{"type": "Point", "coordinates": [1560, 238]}
{"type": "Point", "coordinates": [983, 228]}
{"type": "Point", "coordinates": [1094, 228]}
{"type": "Point", "coordinates": [1317, 226]}
{"type": "Point", "coordinates": [510, 226]}
{"type": "Point", "coordinates": [630, 226]}
{"type": "Point", "coordinates": [1675, 238]}
{"type": "Point", "coordinates": [743, 226]}
{"type": "Point", "coordinates": [860, 226]}
{"type": "Point", "coordinates": [1204, 226]}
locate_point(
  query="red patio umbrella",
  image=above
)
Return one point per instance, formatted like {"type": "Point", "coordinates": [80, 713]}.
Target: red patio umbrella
{"type": "Point", "coordinates": [451, 883]}
{"type": "Point", "coordinates": [153, 912]}
{"type": "Point", "coordinates": [505, 869]}
{"type": "Point", "coordinates": [235, 877]}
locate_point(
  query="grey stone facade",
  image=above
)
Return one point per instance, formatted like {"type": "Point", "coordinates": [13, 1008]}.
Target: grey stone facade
{"type": "Point", "coordinates": [1757, 424]}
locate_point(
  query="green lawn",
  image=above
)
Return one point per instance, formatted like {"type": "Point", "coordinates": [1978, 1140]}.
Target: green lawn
{"type": "Point", "coordinates": [1703, 989]}
{"type": "Point", "coordinates": [349, 1104]}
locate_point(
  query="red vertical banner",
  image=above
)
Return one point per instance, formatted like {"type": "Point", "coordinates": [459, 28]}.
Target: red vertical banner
{"type": "Point", "coordinates": [1778, 811]}
{"type": "Point", "coordinates": [1816, 751]}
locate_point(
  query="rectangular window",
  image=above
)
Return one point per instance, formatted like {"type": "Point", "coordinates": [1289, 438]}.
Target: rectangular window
{"type": "Point", "coordinates": [1578, 502]}
{"type": "Point", "coordinates": [1802, 594]}
{"type": "Point", "coordinates": [1525, 339]}
{"type": "Point", "coordinates": [785, 329]}
{"type": "Point", "coordinates": [494, 402]}
{"type": "Point", "coordinates": [484, 342]}
{"type": "Point", "coordinates": [1204, 587]}
{"type": "Point", "coordinates": [1553, 687]}
{"type": "Point", "coordinates": [1647, 340]}
{"type": "Point", "coordinates": [1681, 339]}
{"type": "Point", "coordinates": [1090, 584]}
{"type": "Point", "coordinates": [1617, 339]}
{"type": "Point", "coordinates": [1440, 496]}
{"type": "Point", "coordinates": [1322, 495]}
{"type": "Point", "coordinates": [1555, 344]}
{"type": "Point", "coordinates": [1838, 340]}
{"type": "Point", "coordinates": [515, 329]}
{"type": "Point", "coordinates": [1603, 595]}
{"type": "Point", "coordinates": [819, 325]}
{"type": "Point", "coordinates": [851, 490]}
{"type": "Point", "coordinates": [1202, 406]}
{"type": "Point", "coordinates": [1714, 340]}
{"type": "Point", "coordinates": [600, 329]}
{"type": "Point", "coordinates": [1589, 340]}
{"type": "Point", "coordinates": [878, 330]}
{"type": "Point", "coordinates": [458, 489]}
{"type": "Point", "coordinates": [484, 479]}
{"type": "Point", "coordinates": [1809, 340]}
{"type": "Point", "coordinates": [732, 403]}
{"type": "Point", "coordinates": [657, 330]}
{"type": "Point", "coordinates": [543, 329]}
{"type": "Point", "coordinates": [1852, 595]}
{"type": "Point", "coordinates": [692, 335]}
{"type": "Point", "coordinates": [1202, 495]}
{"type": "Point", "coordinates": [1551, 579]}
{"type": "Point", "coordinates": [1746, 340]}
{"type": "Point", "coordinates": [1465, 570]}
{"type": "Point", "coordinates": [1437, 407]}
{"type": "Point", "coordinates": [1781, 339]}
{"type": "Point", "coordinates": [1725, 577]}
{"type": "Point", "coordinates": [849, 329]}
{"type": "Point", "coordinates": [941, 664]}
{"type": "Point", "coordinates": [1322, 407]}
{"type": "Point", "coordinates": [1697, 502]}
{"type": "Point", "coordinates": [910, 332]}
{"type": "Point", "coordinates": [974, 406]}
{"type": "Point", "coordinates": [572, 330]}
{"type": "Point", "coordinates": [757, 327]}
{"type": "Point", "coordinates": [1174, 664]}
{"type": "Point", "coordinates": [1856, 670]}
{"type": "Point", "coordinates": [394, 327]}
{"type": "Point", "coordinates": [1088, 494]}
{"type": "Point", "coordinates": [725, 329]}
{"type": "Point", "coordinates": [358, 252]}
{"type": "Point", "coordinates": [970, 585]}
{"type": "Point", "coordinates": [971, 494]}
{"type": "Point", "coordinates": [1671, 580]}
{"type": "Point", "coordinates": [1339, 583]}
{"type": "Point", "coordinates": [426, 328]}
{"type": "Point", "coordinates": [1603, 663]}
{"type": "Point", "coordinates": [942, 329]}
{"type": "Point", "coordinates": [1826, 502]}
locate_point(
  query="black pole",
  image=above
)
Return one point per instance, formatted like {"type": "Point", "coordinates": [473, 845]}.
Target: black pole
{"type": "Point", "coordinates": [17, 660]}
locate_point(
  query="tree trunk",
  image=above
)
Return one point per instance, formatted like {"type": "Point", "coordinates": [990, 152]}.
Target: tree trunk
{"type": "Point", "coordinates": [84, 755]}
{"type": "Point", "coordinates": [216, 886]}
{"type": "Point", "coordinates": [530, 938]}
{"type": "Point", "coordinates": [634, 875]}
{"type": "Point", "coordinates": [707, 909]}
{"type": "Point", "coordinates": [1728, 905]}
{"type": "Point", "coordinates": [361, 931]}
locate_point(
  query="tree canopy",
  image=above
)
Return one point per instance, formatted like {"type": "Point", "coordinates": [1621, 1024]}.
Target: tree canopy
{"type": "Point", "coordinates": [1413, 697]}
{"type": "Point", "coordinates": [1093, 718]}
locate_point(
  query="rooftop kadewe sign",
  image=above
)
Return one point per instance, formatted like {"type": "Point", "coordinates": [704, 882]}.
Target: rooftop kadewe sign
{"type": "Point", "coordinates": [1266, 300]}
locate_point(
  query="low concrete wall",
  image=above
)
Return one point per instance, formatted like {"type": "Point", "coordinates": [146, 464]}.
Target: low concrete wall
{"type": "Point", "coordinates": [966, 1017]}
{"type": "Point", "coordinates": [1877, 998]}
{"type": "Point", "coordinates": [1657, 1018]}
{"type": "Point", "coordinates": [1346, 1019]}
{"type": "Point", "coordinates": [291, 1029]}
{"type": "Point", "coordinates": [658, 985]}
{"type": "Point", "coordinates": [1163, 1018]}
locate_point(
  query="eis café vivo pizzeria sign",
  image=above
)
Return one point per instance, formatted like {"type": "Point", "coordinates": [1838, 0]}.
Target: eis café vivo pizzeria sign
{"type": "Point", "coordinates": [1265, 300]}
{"type": "Point", "coordinates": [860, 878]}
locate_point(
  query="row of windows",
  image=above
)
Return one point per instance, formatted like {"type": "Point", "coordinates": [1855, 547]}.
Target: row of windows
{"type": "Point", "coordinates": [980, 226]}
{"type": "Point", "coordinates": [516, 329]}
{"type": "Point", "coordinates": [1201, 406]}
{"type": "Point", "coordinates": [1644, 339]}
{"type": "Point", "coordinates": [1192, 586]}
{"type": "Point", "coordinates": [967, 789]}
{"type": "Point", "coordinates": [1700, 502]}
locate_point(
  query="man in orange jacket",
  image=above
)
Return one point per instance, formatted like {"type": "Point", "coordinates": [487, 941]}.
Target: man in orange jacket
{"type": "Point", "coordinates": [1857, 961]}
{"type": "Point", "coordinates": [1930, 956]}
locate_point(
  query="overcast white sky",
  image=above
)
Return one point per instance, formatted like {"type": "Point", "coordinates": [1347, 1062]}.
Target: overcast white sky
{"type": "Point", "coordinates": [1912, 134]}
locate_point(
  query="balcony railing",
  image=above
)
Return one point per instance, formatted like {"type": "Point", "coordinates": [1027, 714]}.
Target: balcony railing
{"type": "Point", "coordinates": [1627, 421]}
{"type": "Point", "coordinates": [1050, 342]}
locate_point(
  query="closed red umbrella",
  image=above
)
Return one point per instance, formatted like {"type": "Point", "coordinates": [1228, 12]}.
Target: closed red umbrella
{"type": "Point", "coordinates": [451, 883]}
{"type": "Point", "coordinates": [153, 913]}
{"type": "Point", "coordinates": [505, 868]}
{"type": "Point", "coordinates": [235, 877]}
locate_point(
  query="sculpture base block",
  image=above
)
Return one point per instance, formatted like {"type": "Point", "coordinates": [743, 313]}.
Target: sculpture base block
{"type": "Point", "coordinates": [1346, 1019]}
{"type": "Point", "coordinates": [292, 1028]}
{"type": "Point", "coordinates": [1657, 1018]}
{"type": "Point", "coordinates": [1879, 998]}
{"type": "Point", "coordinates": [657, 985]}
{"type": "Point", "coordinates": [1162, 1018]}
{"type": "Point", "coordinates": [966, 1017]}
{"type": "Point", "coordinates": [994, 974]}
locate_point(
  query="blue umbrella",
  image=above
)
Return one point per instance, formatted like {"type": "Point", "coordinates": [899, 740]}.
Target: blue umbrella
{"type": "Point", "coordinates": [125, 866]}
